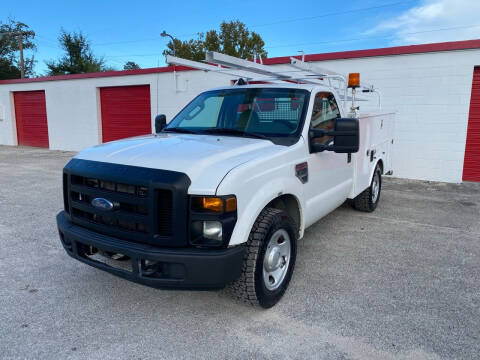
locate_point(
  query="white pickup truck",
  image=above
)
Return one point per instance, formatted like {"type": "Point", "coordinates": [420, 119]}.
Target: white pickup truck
{"type": "Point", "coordinates": [223, 193]}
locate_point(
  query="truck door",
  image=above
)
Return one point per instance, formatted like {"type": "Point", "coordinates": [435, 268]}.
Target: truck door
{"type": "Point", "coordinates": [330, 174]}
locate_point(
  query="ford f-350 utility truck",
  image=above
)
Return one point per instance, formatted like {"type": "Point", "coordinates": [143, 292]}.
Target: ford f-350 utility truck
{"type": "Point", "coordinates": [221, 195]}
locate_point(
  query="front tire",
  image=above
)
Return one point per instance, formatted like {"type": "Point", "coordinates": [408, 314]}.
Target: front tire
{"type": "Point", "coordinates": [269, 259]}
{"type": "Point", "coordinates": [368, 200]}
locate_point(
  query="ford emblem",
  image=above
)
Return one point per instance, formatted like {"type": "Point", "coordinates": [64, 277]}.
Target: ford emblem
{"type": "Point", "coordinates": [102, 204]}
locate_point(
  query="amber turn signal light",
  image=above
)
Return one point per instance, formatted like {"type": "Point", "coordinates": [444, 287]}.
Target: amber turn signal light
{"type": "Point", "coordinates": [213, 204]}
{"type": "Point", "coordinates": [231, 204]}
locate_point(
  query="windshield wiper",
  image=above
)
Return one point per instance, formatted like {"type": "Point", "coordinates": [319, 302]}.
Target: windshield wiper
{"type": "Point", "coordinates": [229, 131]}
{"type": "Point", "coordinates": [180, 130]}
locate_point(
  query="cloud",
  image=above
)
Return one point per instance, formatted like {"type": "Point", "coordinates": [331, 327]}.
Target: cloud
{"type": "Point", "coordinates": [433, 21]}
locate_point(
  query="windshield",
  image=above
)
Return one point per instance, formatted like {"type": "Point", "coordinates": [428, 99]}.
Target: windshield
{"type": "Point", "coordinates": [260, 112]}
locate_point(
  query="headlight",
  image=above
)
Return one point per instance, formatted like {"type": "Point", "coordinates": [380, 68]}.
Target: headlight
{"type": "Point", "coordinates": [212, 219]}
{"type": "Point", "coordinates": [212, 230]}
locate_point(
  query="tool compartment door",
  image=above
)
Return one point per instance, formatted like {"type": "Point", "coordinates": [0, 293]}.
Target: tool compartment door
{"type": "Point", "coordinates": [376, 135]}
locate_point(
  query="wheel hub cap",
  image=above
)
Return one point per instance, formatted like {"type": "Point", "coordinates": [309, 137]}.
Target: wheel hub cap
{"type": "Point", "coordinates": [272, 259]}
{"type": "Point", "coordinates": [277, 259]}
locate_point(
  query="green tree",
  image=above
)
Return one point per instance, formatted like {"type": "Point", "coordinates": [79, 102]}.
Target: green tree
{"type": "Point", "coordinates": [233, 39]}
{"type": "Point", "coordinates": [79, 57]}
{"type": "Point", "coordinates": [8, 70]}
{"type": "Point", "coordinates": [192, 49]}
{"type": "Point", "coordinates": [131, 65]}
{"type": "Point", "coordinates": [9, 49]}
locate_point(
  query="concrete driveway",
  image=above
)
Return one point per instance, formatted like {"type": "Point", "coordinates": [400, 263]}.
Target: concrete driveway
{"type": "Point", "coordinates": [400, 283]}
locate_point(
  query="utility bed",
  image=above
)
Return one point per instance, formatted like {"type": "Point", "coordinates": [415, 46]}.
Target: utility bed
{"type": "Point", "coordinates": [376, 142]}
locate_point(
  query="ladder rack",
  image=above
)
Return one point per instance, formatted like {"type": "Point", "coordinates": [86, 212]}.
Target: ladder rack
{"type": "Point", "coordinates": [298, 71]}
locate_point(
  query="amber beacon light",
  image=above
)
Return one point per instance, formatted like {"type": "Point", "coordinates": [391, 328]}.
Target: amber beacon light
{"type": "Point", "coordinates": [354, 80]}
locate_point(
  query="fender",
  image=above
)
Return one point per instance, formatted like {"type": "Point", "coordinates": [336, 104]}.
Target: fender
{"type": "Point", "coordinates": [259, 181]}
{"type": "Point", "coordinates": [374, 167]}
{"type": "Point", "coordinates": [249, 210]}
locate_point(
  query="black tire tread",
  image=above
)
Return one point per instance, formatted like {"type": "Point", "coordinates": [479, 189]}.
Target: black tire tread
{"type": "Point", "coordinates": [243, 288]}
{"type": "Point", "coordinates": [363, 200]}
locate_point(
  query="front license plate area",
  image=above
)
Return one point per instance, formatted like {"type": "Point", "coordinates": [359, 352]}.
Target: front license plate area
{"type": "Point", "coordinates": [116, 261]}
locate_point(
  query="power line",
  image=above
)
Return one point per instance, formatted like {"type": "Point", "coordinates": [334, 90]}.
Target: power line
{"type": "Point", "coordinates": [336, 13]}
{"type": "Point", "coordinates": [46, 39]}
{"type": "Point", "coordinates": [133, 55]}
{"type": "Point", "coordinates": [127, 41]}
{"type": "Point", "coordinates": [52, 46]}
{"type": "Point", "coordinates": [120, 63]}
{"type": "Point", "coordinates": [323, 42]}
{"type": "Point", "coordinates": [371, 37]}
{"type": "Point", "coordinates": [306, 18]}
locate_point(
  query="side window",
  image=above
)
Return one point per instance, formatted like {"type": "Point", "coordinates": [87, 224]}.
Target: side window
{"type": "Point", "coordinates": [204, 115]}
{"type": "Point", "coordinates": [325, 111]}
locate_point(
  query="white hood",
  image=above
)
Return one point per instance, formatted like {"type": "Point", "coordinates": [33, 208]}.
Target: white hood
{"type": "Point", "coordinates": [205, 159]}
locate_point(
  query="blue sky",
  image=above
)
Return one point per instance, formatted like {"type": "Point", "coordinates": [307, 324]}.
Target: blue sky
{"type": "Point", "coordinates": [127, 30]}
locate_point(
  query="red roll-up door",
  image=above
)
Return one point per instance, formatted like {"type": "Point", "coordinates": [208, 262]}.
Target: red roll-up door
{"type": "Point", "coordinates": [31, 118]}
{"type": "Point", "coordinates": [125, 112]}
{"type": "Point", "coordinates": [471, 163]}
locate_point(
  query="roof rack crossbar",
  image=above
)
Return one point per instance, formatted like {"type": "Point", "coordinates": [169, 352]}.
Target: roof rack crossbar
{"type": "Point", "coordinates": [245, 69]}
{"type": "Point", "coordinates": [241, 64]}
{"type": "Point", "coordinates": [311, 68]}
{"type": "Point", "coordinates": [340, 87]}
{"type": "Point", "coordinates": [173, 60]}
{"type": "Point", "coordinates": [252, 71]}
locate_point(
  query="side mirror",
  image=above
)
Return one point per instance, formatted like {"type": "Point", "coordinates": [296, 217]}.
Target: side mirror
{"type": "Point", "coordinates": [160, 122]}
{"type": "Point", "coordinates": [345, 137]}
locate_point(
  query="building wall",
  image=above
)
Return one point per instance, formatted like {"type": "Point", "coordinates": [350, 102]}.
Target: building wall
{"type": "Point", "coordinates": [431, 95]}
{"type": "Point", "coordinates": [429, 91]}
{"type": "Point", "coordinates": [73, 106]}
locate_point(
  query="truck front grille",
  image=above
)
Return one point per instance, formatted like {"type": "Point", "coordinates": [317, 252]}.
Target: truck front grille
{"type": "Point", "coordinates": [143, 209]}
{"type": "Point", "coordinates": [110, 221]}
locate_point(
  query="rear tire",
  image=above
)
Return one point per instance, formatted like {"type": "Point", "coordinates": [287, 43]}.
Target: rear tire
{"type": "Point", "coordinates": [368, 200]}
{"type": "Point", "coordinates": [269, 259]}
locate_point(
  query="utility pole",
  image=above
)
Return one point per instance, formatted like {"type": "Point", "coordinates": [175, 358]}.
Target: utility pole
{"type": "Point", "coordinates": [20, 47]}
